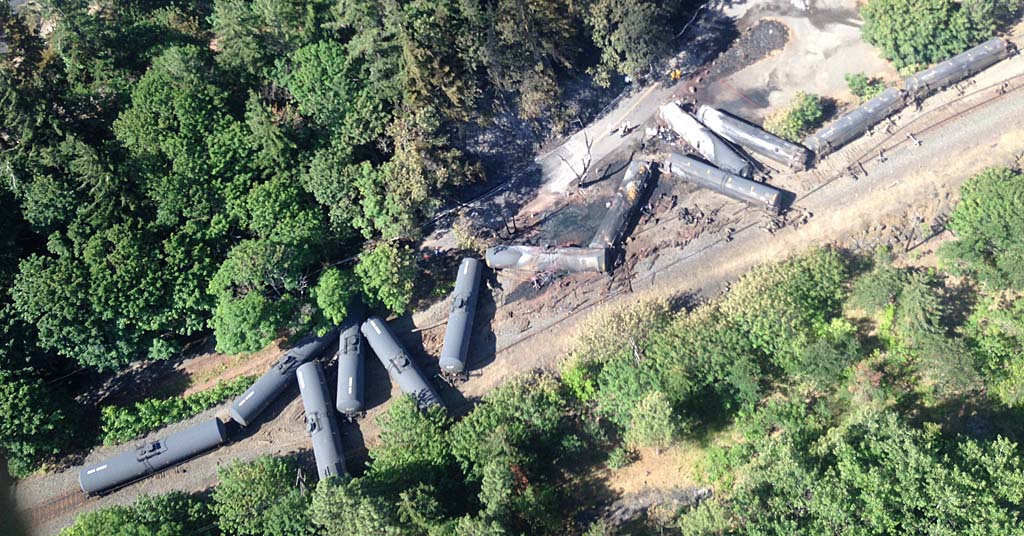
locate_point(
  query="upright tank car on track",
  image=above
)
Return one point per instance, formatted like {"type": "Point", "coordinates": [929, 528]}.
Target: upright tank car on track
{"type": "Point", "coordinates": [622, 205]}
{"type": "Point", "coordinates": [855, 123]}
{"type": "Point", "coordinates": [398, 362]}
{"type": "Point", "coordinates": [754, 139]}
{"type": "Point", "coordinates": [957, 68]}
{"type": "Point", "coordinates": [460, 320]}
{"type": "Point", "coordinates": [320, 422]}
{"type": "Point", "coordinates": [251, 403]}
{"type": "Point", "coordinates": [701, 174]}
{"type": "Point", "coordinates": [151, 457]}
{"type": "Point", "coordinates": [700, 137]}
{"type": "Point", "coordinates": [351, 361]}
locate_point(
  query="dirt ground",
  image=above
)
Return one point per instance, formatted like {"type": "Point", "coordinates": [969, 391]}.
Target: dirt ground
{"type": "Point", "coordinates": [824, 47]}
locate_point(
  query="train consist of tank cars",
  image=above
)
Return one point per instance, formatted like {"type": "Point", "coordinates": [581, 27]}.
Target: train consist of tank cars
{"type": "Point", "coordinates": [856, 122]}
{"type": "Point", "coordinates": [300, 364]}
{"type": "Point", "coordinates": [727, 172]}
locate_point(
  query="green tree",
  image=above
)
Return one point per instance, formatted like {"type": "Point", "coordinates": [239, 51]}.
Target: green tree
{"type": "Point", "coordinates": [917, 33]}
{"type": "Point", "coordinates": [652, 423]}
{"type": "Point", "coordinates": [333, 292]}
{"type": "Point", "coordinates": [632, 35]}
{"type": "Point", "coordinates": [388, 274]}
{"type": "Point", "coordinates": [35, 427]}
{"type": "Point", "coordinates": [289, 516]}
{"type": "Point", "coordinates": [344, 508]}
{"type": "Point", "coordinates": [995, 333]}
{"type": "Point", "coordinates": [329, 85]}
{"type": "Point", "coordinates": [989, 231]}
{"type": "Point", "coordinates": [252, 495]}
{"type": "Point", "coordinates": [877, 289]}
{"type": "Point", "coordinates": [172, 514]}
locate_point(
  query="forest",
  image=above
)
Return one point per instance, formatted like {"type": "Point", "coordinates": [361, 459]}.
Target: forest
{"type": "Point", "coordinates": [829, 393]}
{"type": "Point", "coordinates": [174, 169]}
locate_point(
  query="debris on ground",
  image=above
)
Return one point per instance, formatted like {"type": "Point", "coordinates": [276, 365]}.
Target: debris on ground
{"type": "Point", "coordinates": [634, 505]}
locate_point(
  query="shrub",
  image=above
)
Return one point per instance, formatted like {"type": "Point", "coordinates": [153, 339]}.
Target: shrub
{"type": "Point", "coordinates": [652, 423]}
{"type": "Point", "coordinates": [612, 330]}
{"type": "Point", "coordinates": [863, 87]}
{"type": "Point", "coordinates": [620, 457]}
{"type": "Point", "coordinates": [122, 424]}
{"type": "Point", "coordinates": [804, 114]}
{"type": "Point", "coordinates": [172, 514]}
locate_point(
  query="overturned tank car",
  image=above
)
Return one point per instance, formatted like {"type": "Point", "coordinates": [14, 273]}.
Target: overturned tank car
{"type": "Point", "coordinates": [399, 363]}
{"type": "Point", "coordinates": [351, 362]}
{"type": "Point", "coordinates": [253, 401]}
{"type": "Point", "coordinates": [460, 320]}
{"type": "Point", "coordinates": [711, 147]}
{"type": "Point", "coordinates": [712, 178]}
{"type": "Point", "coordinates": [547, 259]}
{"type": "Point", "coordinates": [320, 422]}
{"type": "Point", "coordinates": [754, 139]}
{"type": "Point", "coordinates": [622, 206]}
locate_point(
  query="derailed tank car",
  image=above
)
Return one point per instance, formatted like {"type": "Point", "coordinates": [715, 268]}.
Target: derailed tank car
{"type": "Point", "coordinates": [700, 137]}
{"type": "Point", "coordinates": [727, 184]}
{"type": "Point", "coordinates": [754, 139]}
{"type": "Point", "coordinates": [460, 320]}
{"type": "Point", "coordinates": [622, 205]}
{"type": "Point", "coordinates": [320, 422]}
{"type": "Point", "coordinates": [251, 403]}
{"type": "Point", "coordinates": [545, 259]}
{"type": "Point", "coordinates": [398, 362]}
{"type": "Point", "coordinates": [351, 361]}
{"type": "Point", "coordinates": [957, 68]}
{"type": "Point", "coordinates": [855, 123]}
{"type": "Point", "coordinates": [151, 457]}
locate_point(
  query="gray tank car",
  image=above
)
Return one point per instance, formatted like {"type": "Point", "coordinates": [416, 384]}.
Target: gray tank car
{"type": "Point", "coordinates": [320, 423]}
{"type": "Point", "coordinates": [398, 362]}
{"type": "Point", "coordinates": [351, 362]}
{"type": "Point", "coordinates": [700, 137]}
{"type": "Point", "coordinates": [748, 191]}
{"type": "Point", "coordinates": [957, 68]}
{"type": "Point", "coordinates": [622, 205]}
{"type": "Point", "coordinates": [151, 457]}
{"type": "Point", "coordinates": [545, 259]}
{"type": "Point", "coordinates": [855, 123]}
{"type": "Point", "coordinates": [460, 320]}
{"type": "Point", "coordinates": [754, 139]}
{"type": "Point", "coordinates": [251, 403]}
